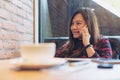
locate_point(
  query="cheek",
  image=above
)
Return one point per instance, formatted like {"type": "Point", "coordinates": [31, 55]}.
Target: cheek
{"type": "Point", "coordinates": [81, 26]}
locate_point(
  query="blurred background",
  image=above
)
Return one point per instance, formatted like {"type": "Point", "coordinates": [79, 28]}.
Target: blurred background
{"type": "Point", "coordinates": [16, 26]}
{"type": "Point", "coordinates": [55, 15]}
{"type": "Point", "coordinates": [36, 21]}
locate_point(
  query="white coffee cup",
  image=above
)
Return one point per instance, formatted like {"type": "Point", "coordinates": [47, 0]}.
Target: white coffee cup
{"type": "Point", "coordinates": [38, 53]}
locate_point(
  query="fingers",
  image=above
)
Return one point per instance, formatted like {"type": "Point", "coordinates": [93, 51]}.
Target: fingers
{"type": "Point", "coordinates": [85, 29]}
{"type": "Point", "coordinates": [85, 26]}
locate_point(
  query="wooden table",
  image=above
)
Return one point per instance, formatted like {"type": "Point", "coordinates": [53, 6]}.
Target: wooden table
{"type": "Point", "coordinates": [81, 72]}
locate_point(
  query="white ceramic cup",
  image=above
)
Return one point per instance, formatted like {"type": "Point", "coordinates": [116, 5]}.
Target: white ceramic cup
{"type": "Point", "coordinates": [38, 53]}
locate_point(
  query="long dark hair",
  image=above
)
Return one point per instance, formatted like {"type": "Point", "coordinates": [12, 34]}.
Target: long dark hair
{"type": "Point", "coordinates": [91, 21]}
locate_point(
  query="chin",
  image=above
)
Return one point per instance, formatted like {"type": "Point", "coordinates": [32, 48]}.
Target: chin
{"type": "Point", "coordinates": [76, 36]}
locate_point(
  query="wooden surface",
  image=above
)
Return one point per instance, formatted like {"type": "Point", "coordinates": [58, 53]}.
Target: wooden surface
{"type": "Point", "coordinates": [7, 72]}
{"type": "Point", "coordinates": [81, 72]}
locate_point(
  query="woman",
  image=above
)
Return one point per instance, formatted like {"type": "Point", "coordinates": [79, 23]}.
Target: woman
{"type": "Point", "coordinates": [84, 38]}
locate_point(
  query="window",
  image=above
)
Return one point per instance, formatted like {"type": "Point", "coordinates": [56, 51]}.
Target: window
{"type": "Point", "coordinates": [111, 5]}
{"type": "Point", "coordinates": [54, 16]}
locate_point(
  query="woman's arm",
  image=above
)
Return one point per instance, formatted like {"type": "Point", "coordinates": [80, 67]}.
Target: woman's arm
{"type": "Point", "coordinates": [104, 50]}
{"type": "Point", "coordinates": [90, 51]}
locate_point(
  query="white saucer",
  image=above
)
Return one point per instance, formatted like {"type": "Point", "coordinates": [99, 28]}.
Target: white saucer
{"type": "Point", "coordinates": [19, 63]}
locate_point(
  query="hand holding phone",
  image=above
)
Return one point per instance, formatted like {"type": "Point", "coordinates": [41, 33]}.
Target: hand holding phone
{"type": "Point", "coordinates": [85, 35]}
{"type": "Point", "coordinates": [81, 31]}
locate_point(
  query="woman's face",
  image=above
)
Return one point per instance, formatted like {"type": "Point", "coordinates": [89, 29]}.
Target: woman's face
{"type": "Point", "coordinates": [77, 23]}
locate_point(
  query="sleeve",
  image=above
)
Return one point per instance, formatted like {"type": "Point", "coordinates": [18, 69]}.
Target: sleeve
{"type": "Point", "coordinates": [104, 50]}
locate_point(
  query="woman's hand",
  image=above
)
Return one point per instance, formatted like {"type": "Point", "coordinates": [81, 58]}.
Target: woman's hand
{"type": "Point", "coordinates": [85, 35]}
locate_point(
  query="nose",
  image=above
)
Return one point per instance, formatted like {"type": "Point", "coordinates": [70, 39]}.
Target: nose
{"type": "Point", "coordinates": [74, 27]}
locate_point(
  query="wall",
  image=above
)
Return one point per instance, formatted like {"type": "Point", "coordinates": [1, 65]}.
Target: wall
{"type": "Point", "coordinates": [16, 26]}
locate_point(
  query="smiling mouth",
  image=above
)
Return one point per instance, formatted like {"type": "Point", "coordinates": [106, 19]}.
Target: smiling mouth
{"type": "Point", "coordinates": [75, 32]}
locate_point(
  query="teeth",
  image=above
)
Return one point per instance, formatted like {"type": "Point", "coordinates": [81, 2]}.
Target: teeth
{"type": "Point", "coordinates": [76, 32]}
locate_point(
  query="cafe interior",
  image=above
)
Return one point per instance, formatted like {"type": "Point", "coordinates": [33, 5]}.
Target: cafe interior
{"type": "Point", "coordinates": [32, 30]}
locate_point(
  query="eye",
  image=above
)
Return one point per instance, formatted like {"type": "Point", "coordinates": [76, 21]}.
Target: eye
{"type": "Point", "coordinates": [78, 23]}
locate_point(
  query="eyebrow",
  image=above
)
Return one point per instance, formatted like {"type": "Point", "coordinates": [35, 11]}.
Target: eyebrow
{"type": "Point", "coordinates": [78, 21]}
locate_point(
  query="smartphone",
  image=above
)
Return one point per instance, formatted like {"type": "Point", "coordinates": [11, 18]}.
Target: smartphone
{"type": "Point", "coordinates": [105, 66]}
{"type": "Point", "coordinates": [77, 62]}
{"type": "Point", "coordinates": [81, 33]}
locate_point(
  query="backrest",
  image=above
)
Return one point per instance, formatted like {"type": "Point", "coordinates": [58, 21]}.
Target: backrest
{"type": "Point", "coordinates": [59, 41]}
{"type": "Point", "coordinates": [115, 44]}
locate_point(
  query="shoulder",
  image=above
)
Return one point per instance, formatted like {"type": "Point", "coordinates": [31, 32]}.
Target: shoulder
{"type": "Point", "coordinates": [103, 40]}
